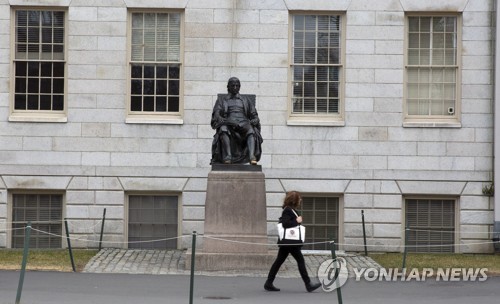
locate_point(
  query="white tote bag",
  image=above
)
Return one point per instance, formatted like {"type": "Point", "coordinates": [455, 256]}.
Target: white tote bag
{"type": "Point", "coordinates": [297, 233]}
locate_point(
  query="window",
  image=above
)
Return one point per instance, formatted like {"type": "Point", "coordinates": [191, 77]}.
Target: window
{"type": "Point", "coordinates": [155, 65]}
{"type": "Point", "coordinates": [316, 68]}
{"type": "Point", "coordinates": [39, 65]}
{"type": "Point", "coordinates": [321, 217]}
{"type": "Point", "coordinates": [45, 213]}
{"type": "Point", "coordinates": [432, 68]}
{"type": "Point", "coordinates": [431, 225]}
{"type": "Point", "coordinates": [153, 221]}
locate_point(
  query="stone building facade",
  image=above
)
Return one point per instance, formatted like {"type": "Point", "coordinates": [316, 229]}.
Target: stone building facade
{"type": "Point", "coordinates": [383, 106]}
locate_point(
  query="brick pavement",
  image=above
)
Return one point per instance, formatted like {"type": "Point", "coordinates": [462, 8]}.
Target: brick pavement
{"type": "Point", "coordinates": [134, 261]}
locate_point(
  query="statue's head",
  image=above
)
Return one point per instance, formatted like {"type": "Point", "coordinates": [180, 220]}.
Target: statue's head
{"type": "Point", "coordinates": [233, 85]}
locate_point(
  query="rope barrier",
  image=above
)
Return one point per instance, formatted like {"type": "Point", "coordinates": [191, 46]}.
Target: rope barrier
{"type": "Point", "coordinates": [12, 229]}
{"type": "Point", "coordinates": [454, 232]}
{"type": "Point", "coordinates": [259, 244]}
{"type": "Point", "coordinates": [111, 242]}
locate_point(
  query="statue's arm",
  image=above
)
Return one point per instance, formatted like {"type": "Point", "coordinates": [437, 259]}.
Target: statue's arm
{"type": "Point", "coordinates": [252, 115]}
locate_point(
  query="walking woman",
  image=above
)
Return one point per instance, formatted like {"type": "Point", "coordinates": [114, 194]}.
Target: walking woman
{"type": "Point", "coordinates": [289, 218]}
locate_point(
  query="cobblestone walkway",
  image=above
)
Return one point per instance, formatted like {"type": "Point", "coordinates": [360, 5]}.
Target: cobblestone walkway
{"type": "Point", "coordinates": [159, 262]}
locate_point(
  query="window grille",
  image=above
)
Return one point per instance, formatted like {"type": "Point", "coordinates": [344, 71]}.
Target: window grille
{"type": "Point", "coordinates": [432, 66]}
{"type": "Point", "coordinates": [152, 218]}
{"type": "Point", "coordinates": [316, 64]}
{"type": "Point", "coordinates": [321, 219]}
{"type": "Point", "coordinates": [155, 63]}
{"type": "Point", "coordinates": [45, 213]}
{"type": "Point", "coordinates": [431, 224]}
{"type": "Point", "coordinates": [39, 61]}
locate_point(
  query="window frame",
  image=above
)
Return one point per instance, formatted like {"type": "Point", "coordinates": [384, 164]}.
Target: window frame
{"type": "Point", "coordinates": [155, 117]}
{"type": "Point", "coordinates": [449, 121]}
{"type": "Point", "coordinates": [317, 119]}
{"type": "Point", "coordinates": [37, 115]}
{"type": "Point", "coordinates": [10, 209]}
{"type": "Point", "coordinates": [456, 202]}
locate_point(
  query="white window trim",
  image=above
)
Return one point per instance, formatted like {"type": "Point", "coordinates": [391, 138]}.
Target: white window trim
{"type": "Point", "coordinates": [155, 118]}
{"type": "Point", "coordinates": [317, 119]}
{"type": "Point", "coordinates": [40, 115]}
{"type": "Point", "coordinates": [454, 121]}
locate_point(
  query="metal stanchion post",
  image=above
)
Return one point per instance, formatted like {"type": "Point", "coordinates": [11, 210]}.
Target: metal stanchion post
{"type": "Point", "coordinates": [25, 260]}
{"type": "Point", "coordinates": [405, 252]}
{"type": "Point", "coordinates": [364, 231]}
{"type": "Point", "coordinates": [193, 252]}
{"type": "Point", "coordinates": [337, 273]}
{"type": "Point", "coordinates": [102, 228]}
{"type": "Point", "coordinates": [69, 245]}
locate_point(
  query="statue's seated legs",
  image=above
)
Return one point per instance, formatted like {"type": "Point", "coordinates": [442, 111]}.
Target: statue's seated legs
{"type": "Point", "coordinates": [227, 152]}
{"type": "Point", "coordinates": [251, 149]}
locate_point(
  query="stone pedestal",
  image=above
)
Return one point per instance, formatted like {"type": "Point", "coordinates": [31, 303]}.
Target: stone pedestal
{"type": "Point", "coordinates": [235, 221]}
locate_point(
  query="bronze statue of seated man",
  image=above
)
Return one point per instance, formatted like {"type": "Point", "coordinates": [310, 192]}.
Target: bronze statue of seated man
{"type": "Point", "coordinates": [237, 139]}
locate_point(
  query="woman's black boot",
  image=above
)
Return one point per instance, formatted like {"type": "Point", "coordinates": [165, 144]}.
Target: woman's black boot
{"type": "Point", "coordinates": [312, 287]}
{"type": "Point", "coordinates": [269, 286]}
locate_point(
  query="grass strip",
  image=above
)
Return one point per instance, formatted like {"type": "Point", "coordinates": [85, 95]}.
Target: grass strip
{"type": "Point", "coordinates": [45, 259]}
{"type": "Point", "coordinates": [439, 260]}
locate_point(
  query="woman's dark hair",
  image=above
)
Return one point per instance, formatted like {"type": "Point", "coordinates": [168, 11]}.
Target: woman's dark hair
{"type": "Point", "coordinates": [293, 199]}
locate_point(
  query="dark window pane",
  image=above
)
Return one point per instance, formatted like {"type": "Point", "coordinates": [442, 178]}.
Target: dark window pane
{"type": "Point", "coordinates": [46, 48]}
{"type": "Point", "coordinates": [136, 87]}
{"type": "Point", "coordinates": [161, 72]}
{"type": "Point", "coordinates": [20, 85]}
{"type": "Point", "coordinates": [322, 89]}
{"type": "Point", "coordinates": [149, 87]}
{"type": "Point", "coordinates": [58, 69]}
{"type": "Point", "coordinates": [58, 35]}
{"type": "Point", "coordinates": [21, 68]}
{"type": "Point", "coordinates": [149, 104]}
{"type": "Point", "coordinates": [33, 69]}
{"type": "Point", "coordinates": [46, 35]}
{"type": "Point", "coordinates": [33, 85]}
{"type": "Point", "coordinates": [20, 102]}
{"type": "Point", "coordinates": [136, 71]}
{"type": "Point", "coordinates": [136, 103]}
{"type": "Point", "coordinates": [58, 48]}
{"type": "Point", "coordinates": [333, 90]}
{"type": "Point", "coordinates": [58, 19]}
{"type": "Point", "coordinates": [173, 72]}
{"type": "Point", "coordinates": [33, 35]}
{"type": "Point", "coordinates": [161, 87]}
{"type": "Point", "coordinates": [333, 105]}
{"type": "Point", "coordinates": [173, 104]}
{"type": "Point", "coordinates": [58, 102]}
{"type": "Point", "coordinates": [309, 89]}
{"type": "Point", "coordinates": [45, 102]}
{"type": "Point", "coordinates": [46, 69]}
{"type": "Point", "coordinates": [161, 104]}
{"type": "Point", "coordinates": [32, 102]}
{"type": "Point", "coordinates": [322, 106]}
{"type": "Point", "coordinates": [45, 85]}
{"type": "Point", "coordinates": [58, 85]}
{"type": "Point", "coordinates": [173, 87]}
{"type": "Point", "coordinates": [149, 71]}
